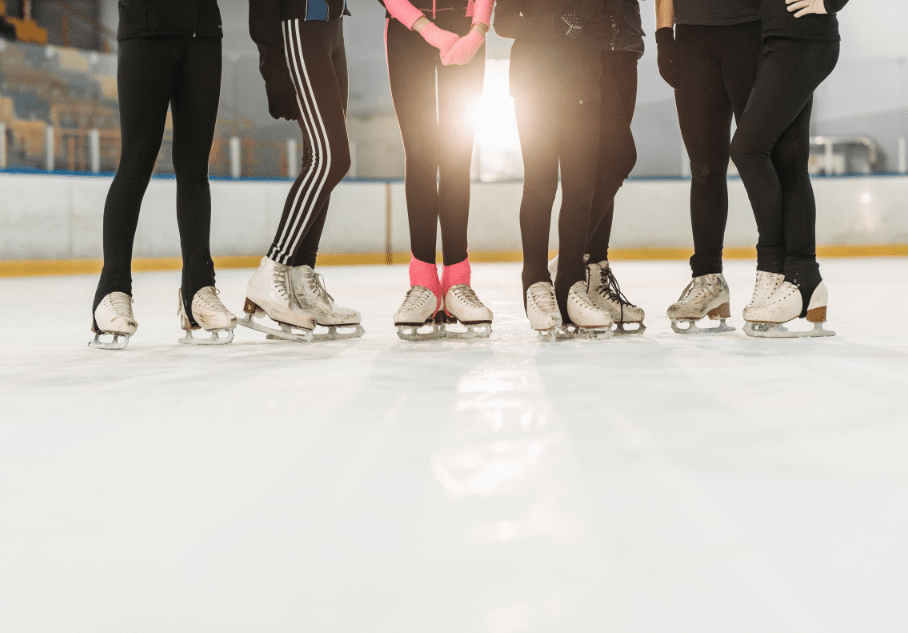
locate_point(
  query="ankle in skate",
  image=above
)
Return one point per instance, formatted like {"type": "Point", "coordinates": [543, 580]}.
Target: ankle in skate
{"type": "Point", "coordinates": [268, 294]}
{"type": "Point", "coordinates": [208, 313]}
{"type": "Point", "coordinates": [787, 304]}
{"type": "Point", "coordinates": [542, 310]}
{"type": "Point", "coordinates": [461, 305]}
{"type": "Point", "coordinates": [312, 296]}
{"type": "Point", "coordinates": [587, 320]}
{"type": "Point", "coordinates": [765, 285]}
{"type": "Point", "coordinates": [704, 296]}
{"type": "Point", "coordinates": [113, 317]}
{"type": "Point", "coordinates": [605, 292]}
{"type": "Point", "coordinates": [419, 317]}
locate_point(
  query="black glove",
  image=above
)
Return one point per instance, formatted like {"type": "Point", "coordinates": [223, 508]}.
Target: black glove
{"type": "Point", "coordinates": [667, 56]}
{"type": "Point", "coordinates": [283, 105]}
{"type": "Point", "coordinates": [570, 24]}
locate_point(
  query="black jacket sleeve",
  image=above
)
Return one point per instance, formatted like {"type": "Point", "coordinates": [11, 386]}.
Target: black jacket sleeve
{"type": "Point", "coordinates": [834, 6]}
{"type": "Point", "coordinates": [508, 22]}
{"type": "Point", "coordinates": [265, 29]}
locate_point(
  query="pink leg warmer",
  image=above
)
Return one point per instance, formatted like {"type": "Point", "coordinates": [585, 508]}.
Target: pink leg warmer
{"type": "Point", "coordinates": [455, 275]}
{"type": "Point", "coordinates": [425, 275]}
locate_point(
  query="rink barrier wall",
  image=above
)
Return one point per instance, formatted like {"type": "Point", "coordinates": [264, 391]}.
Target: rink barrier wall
{"type": "Point", "coordinates": [51, 223]}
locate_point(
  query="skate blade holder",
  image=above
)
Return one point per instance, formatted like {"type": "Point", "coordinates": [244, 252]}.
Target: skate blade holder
{"type": "Point", "coordinates": [339, 332]}
{"type": "Point", "coordinates": [286, 333]}
{"type": "Point", "coordinates": [428, 331]}
{"type": "Point", "coordinates": [693, 328]}
{"type": "Point", "coordinates": [214, 339]}
{"type": "Point", "coordinates": [477, 330]}
{"type": "Point", "coordinates": [548, 336]}
{"type": "Point", "coordinates": [119, 340]}
{"type": "Point", "coordinates": [621, 329]}
{"type": "Point", "coordinates": [571, 332]}
{"type": "Point", "coordinates": [777, 330]}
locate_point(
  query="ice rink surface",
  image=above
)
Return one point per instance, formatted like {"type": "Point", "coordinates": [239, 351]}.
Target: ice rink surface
{"type": "Point", "coordinates": [701, 484]}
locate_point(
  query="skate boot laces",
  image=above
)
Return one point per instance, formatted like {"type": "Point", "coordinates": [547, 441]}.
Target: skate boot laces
{"type": "Point", "coordinates": [121, 304]}
{"type": "Point", "coordinates": [609, 288]}
{"type": "Point", "coordinates": [208, 297]}
{"type": "Point", "coordinates": [416, 297]}
{"type": "Point", "coordinates": [465, 294]}
{"type": "Point", "coordinates": [544, 297]}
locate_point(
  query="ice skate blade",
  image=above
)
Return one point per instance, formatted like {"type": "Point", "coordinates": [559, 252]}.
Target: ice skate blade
{"type": "Point", "coordinates": [339, 332]}
{"type": "Point", "coordinates": [286, 333]}
{"type": "Point", "coordinates": [411, 332]}
{"type": "Point", "coordinates": [693, 329]}
{"type": "Point", "coordinates": [548, 336]}
{"type": "Point", "coordinates": [620, 329]}
{"type": "Point", "coordinates": [777, 330]}
{"type": "Point", "coordinates": [472, 331]}
{"type": "Point", "coordinates": [570, 332]}
{"type": "Point", "coordinates": [214, 339]}
{"type": "Point", "coordinates": [120, 341]}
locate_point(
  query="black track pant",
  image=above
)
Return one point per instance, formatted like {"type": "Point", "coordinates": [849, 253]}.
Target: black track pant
{"type": "Point", "coordinates": [438, 147]}
{"type": "Point", "coordinates": [553, 132]}
{"type": "Point", "coordinates": [317, 61]}
{"type": "Point", "coordinates": [617, 150]}
{"type": "Point", "coordinates": [152, 73]}
{"type": "Point", "coordinates": [782, 197]}
{"type": "Point", "coordinates": [718, 68]}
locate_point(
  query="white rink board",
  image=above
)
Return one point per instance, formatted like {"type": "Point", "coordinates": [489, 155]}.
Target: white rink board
{"type": "Point", "coordinates": [60, 217]}
{"type": "Point", "coordinates": [641, 485]}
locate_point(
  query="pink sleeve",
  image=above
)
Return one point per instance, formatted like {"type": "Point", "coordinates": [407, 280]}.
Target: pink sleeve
{"type": "Point", "coordinates": [481, 10]}
{"type": "Point", "coordinates": [403, 12]}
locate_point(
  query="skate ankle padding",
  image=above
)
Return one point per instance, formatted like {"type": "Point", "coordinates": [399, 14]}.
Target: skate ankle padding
{"type": "Point", "coordinates": [455, 275]}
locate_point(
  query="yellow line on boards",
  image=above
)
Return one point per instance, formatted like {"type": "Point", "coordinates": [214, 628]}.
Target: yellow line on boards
{"type": "Point", "coordinates": [48, 267]}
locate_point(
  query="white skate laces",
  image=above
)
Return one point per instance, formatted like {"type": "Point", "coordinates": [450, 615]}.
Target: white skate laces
{"type": "Point", "coordinates": [461, 305]}
{"type": "Point", "coordinates": [209, 314]}
{"type": "Point", "coordinates": [418, 318]}
{"type": "Point", "coordinates": [114, 317]}
{"type": "Point", "coordinates": [787, 304]}
{"type": "Point", "coordinates": [765, 286]}
{"type": "Point", "coordinates": [704, 296]}
{"type": "Point", "coordinates": [312, 296]}
{"type": "Point", "coordinates": [542, 310]}
{"type": "Point", "coordinates": [268, 294]}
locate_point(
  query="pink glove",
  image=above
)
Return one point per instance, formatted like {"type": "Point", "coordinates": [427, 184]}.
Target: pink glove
{"type": "Point", "coordinates": [439, 38]}
{"type": "Point", "coordinates": [464, 49]}
{"type": "Point", "coordinates": [403, 11]}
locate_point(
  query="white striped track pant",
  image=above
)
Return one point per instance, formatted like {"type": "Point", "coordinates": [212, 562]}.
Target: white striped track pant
{"type": "Point", "coordinates": [318, 65]}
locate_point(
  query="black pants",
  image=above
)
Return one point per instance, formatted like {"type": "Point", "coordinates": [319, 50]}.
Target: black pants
{"type": "Point", "coordinates": [152, 73]}
{"type": "Point", "coordinates": [617, 150]}
{"type": "Point", "coordinates": [438, 147]}
{"type": "Point", "coordinates": [718, 70]}
{"type": "Point", "coordinates": [317, 61]}
{"type": "Point", "coordinates": [553, 133]}
{"type": "Point", "coordinates": [782, 197]}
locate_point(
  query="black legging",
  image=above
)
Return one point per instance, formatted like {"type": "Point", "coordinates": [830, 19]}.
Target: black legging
{"type": "Point", "coordinates": [617, 150]}
{"type": "Point", "coordinates": [152, 73]}
{"type": "Point", "coordinates": [718, 67]}
{"type": "Point", "coordinates": [438, 149]}
{"type": "Point", "coordinates": [317, 60]}
{"type": "Point", "coordinates": [553, 132]}
{"type": "Point", "coordinates": [782, 198]}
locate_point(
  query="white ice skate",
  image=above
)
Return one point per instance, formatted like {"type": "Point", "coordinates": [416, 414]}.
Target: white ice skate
{"type": "Point", "coordinates": [704, 296]}
{"type": "Point", "coordinates": [786, 304]}
{"type": "Point", "coordinates": [543, 312]}
{"type": "Point", "coordinates": [113, 317]}
{"type": "Point", "coordinates": [606, 293]}
{"type": "Point", "coordinates": [462, 306]}
{"type": "Point", "coordinates": [418, 318]}
{"type": "Point", "coordinates": [268, 294]}
{"type": "Point", "coordinates": [312, 297]}
{"type": "Point", "coordinates": [588, 320]}
{"type": "Point", "coordinates": [209, 314]}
